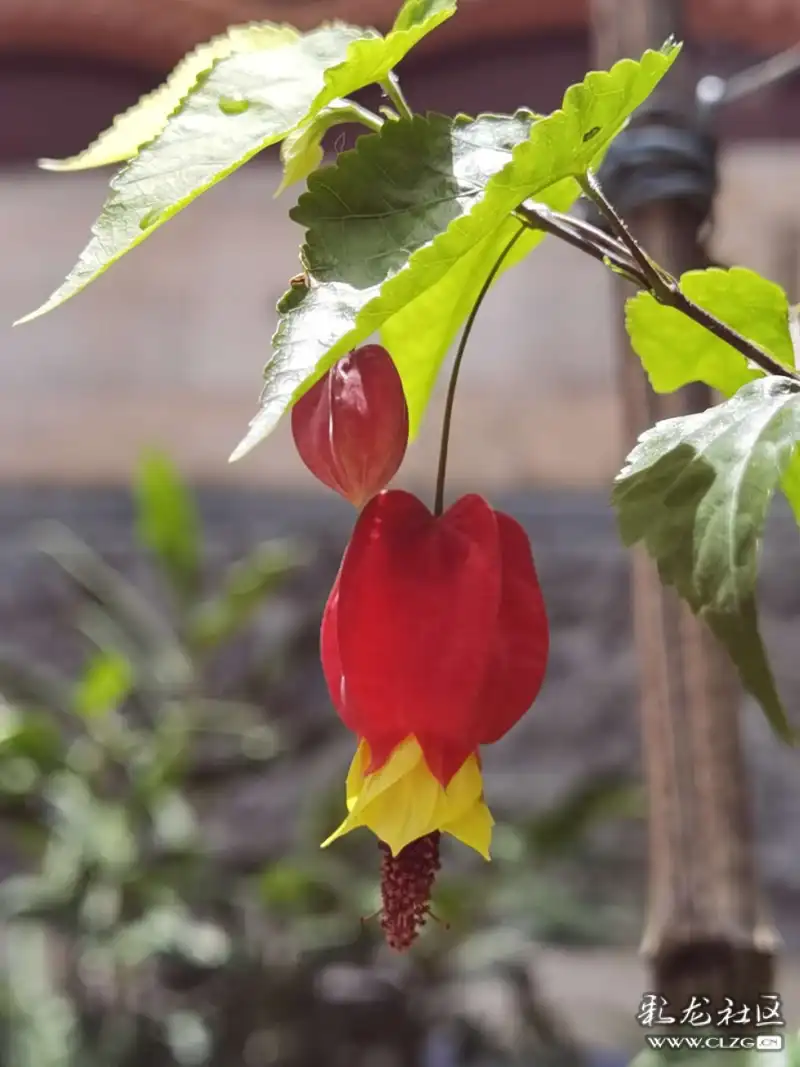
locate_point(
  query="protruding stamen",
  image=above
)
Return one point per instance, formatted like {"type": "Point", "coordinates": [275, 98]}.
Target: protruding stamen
{"type": "Point", "coordinates": [406, 883]}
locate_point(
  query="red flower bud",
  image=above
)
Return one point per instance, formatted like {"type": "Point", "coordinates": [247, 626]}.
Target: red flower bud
{"type": "Point", "coordinates": [351, 427]}
{"type": "Point", "coordinates": [435, 629]}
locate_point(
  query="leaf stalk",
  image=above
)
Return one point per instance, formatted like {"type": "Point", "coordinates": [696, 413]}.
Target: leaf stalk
{"type": "Point", "coordinates": [623, 254]}
{"type": "Point", "coordinates": [391, 87]}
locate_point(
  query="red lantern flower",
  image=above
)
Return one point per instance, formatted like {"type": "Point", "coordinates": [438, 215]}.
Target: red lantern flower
{"type": "Point", "coordinates": [351, 427]}
{"type": "Point", "coordinates": [434, 642]}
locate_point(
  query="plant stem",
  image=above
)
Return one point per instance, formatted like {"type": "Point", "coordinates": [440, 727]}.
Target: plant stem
{"type": "Point", "coordinates": [597, 245]}
{"type": "Point", "coordinates": [391, 86]}
{"type": "Point", "coordinates": [657, 281]}
{"type": "Point", "coordinates": [438, 505]}
{"type": "Point", "coordinates": [357, 113]}
{"type": "Point", "coordinates": [625, 255]}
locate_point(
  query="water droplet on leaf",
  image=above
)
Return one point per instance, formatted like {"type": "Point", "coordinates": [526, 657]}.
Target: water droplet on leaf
{"type": "Point", "coordinates": [150, 218]}
{"type": "Point", "coordinates": [228, 105]}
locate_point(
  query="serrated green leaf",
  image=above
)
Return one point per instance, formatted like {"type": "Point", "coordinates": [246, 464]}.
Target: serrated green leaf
{"type": "Point", "coordinates": [372, 57]}
{"type": "Point", "coordinates": [246, 102]}
{"type": "Point", "coordinates": [167, 521]}
{"type": "Point", "coordinates": [148, 117]}
{"type": "Point", "coordinates": [695, 492]}
{"type": "Point", "coordinates": [368, 61]}
{"type": "Point", "coordinates": [675, 350]}
{"type": "Point", "coordinates": [206, 140]}
{"type": "Point", "coordinates": [400, 212]}
{"type": "Point", "coordinates": [416, 13]}
{"type": "Point", "coordinates": [106, 683]}
{"type": "Point", "coordinates": [301, 151]}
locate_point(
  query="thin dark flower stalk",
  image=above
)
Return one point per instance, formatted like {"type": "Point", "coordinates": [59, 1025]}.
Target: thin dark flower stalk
{"type": "Point", "coordinates": [438, 506]}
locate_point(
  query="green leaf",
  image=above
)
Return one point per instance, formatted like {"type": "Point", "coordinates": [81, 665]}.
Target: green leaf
{"type": "Point", "coordinates": [372, 57]}
{"type": "Point", "coordinates": [189, 1038]}
{"type": "Point", "coordinates": [169, 927]}
{"type": "Point", "coordinates": [396, 216]}
{"type": "Point", "coordinates": [30, 736]}
{"type": "Point", "coordinates": [174, 824]}
{"type": "Point", "coordinates": [563, 827]}
{"type": "Point", "coordinates": [147, 118]}
{"type": "Point", "coordinates": [34, 684]}
{"type": "Point", "coordinates": [124, 616]}
{"type": "Point", "coordinates": [106, 683]}
{"type": "Point", "coordinates": [725, 1058]}
{"type": "Point", "coordinates": [695, 491]}
{"type": "Point", "coordinates": [416, 14]}
{"type": "Point", "coordinates": [790, 484]}
{"type": "Point", "coordinates": [167, 521]}
{"type": "Point", "coordinates": [294, 887]}
{"type": "Point", "coordinates": [675, 350]}
{"type": "Point", "coordinates": [246, 103]}
{"type": "Point", "coordinates": [246, 586]}
{"type": "Point", "coordinates": [301, 151]}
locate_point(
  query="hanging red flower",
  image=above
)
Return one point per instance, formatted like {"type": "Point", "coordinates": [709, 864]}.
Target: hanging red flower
{"type": "Point", "coordinates": [434, 642]}
{"type": "Point", "coordinates": [351, 427]}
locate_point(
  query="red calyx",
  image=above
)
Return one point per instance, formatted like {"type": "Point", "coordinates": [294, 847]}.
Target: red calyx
{"type": "Point", "coordinates": [351, 427]}
{"type": "Point", "coordinates": [435, 627]}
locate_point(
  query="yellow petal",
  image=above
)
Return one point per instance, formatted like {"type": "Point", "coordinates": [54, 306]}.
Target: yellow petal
{"type": "Point", "coordinates": [403, 801]}
{"type": "Point", "coordinates": [474, 828]}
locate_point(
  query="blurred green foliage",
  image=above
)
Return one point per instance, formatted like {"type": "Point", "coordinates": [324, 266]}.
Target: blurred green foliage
{"type": "Point", "coordinates": [128, 938]}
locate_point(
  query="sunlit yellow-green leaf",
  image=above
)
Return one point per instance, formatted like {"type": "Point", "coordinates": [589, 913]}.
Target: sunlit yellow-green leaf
{"type": "Point", "coordinates": [148, 117]}
{"type": "Point", "coordinates": [372, 57]}
{"type": "Point", "coordinates": [675, 350]}
{"type": "Point", "coordinates": [247, 102]}
{"type": "Point", "coordinates": [301, 151]}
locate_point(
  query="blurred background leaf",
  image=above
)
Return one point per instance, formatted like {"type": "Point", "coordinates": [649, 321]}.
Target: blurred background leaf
{"type": "Point", "coordinates": [168, 523]}
{"type": "Point", "coordinates": [243, 589]}
{"type": "Point", "coordinates": [106, 682]}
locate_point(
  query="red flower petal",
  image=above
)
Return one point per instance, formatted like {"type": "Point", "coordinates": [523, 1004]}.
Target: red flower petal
{"type": "Point", "coordinates": [414, 619]}
{"type": "Point", "coordinates": [331, 661]}
{"type": "Point", "coordinates": [381, 746]}
{"type": "Point", "coordinates": [521, 643]}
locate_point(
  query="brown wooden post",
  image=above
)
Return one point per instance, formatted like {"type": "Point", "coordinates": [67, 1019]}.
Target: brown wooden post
{"type": "Point", "coordinates": [704, 933]}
